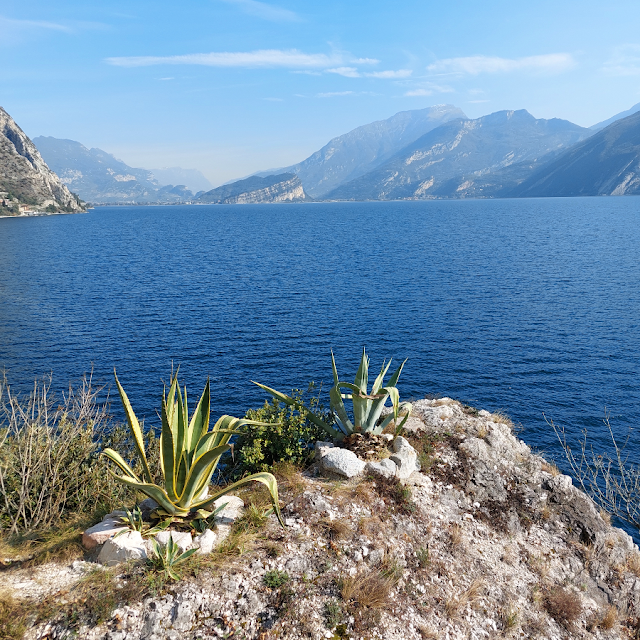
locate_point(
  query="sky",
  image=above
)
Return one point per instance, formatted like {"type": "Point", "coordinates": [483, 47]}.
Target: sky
{"type": "Point", "coordinates": [231, 87]}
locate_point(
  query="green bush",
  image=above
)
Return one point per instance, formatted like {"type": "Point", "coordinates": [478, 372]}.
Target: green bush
{"type": "Point", "coordinates": [288, 438]}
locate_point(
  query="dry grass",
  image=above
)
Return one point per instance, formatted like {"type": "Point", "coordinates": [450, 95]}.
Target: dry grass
{"type": "Point", "coordinates": [501, 418]}
{"type": "Point", "coordinates": [367, 589]}
{"type": "Point", "coordinates": [563, 605]}
{"type": "Point", "coordinates": [290, 478]}
{"type": "Point", "coordinates": [609, 619]}
{"type": "Point", "coordinates": [482, 431]}
{"type": "Point", "coordinates": [13, 617]}
{"type": "Point", "coordinates": [605, 515]}
{"type": "Point", "coordinates": [509, 616]}
{"type": "Point", "coordinates": [633, 563]}
{"type": "Point", "coordinates": [456, 604]}
{"type": "Point", "coordinates": [370, 526]}
{"type": "Point", "coordinates": [550, 467]}
{"type": "Point", "coordinates": [335, 529]}
{"type": "Point", "coordinates": [427, 632]}
{"type": "Point", "coordinates": [455, 536]}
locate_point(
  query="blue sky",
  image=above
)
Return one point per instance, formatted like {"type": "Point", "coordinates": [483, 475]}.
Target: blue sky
{"type": "Point", "coordinates": [233, 86]}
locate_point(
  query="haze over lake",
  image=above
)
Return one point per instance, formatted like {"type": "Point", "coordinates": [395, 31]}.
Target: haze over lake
{"type": "Point", "coordinates": [529, 306]}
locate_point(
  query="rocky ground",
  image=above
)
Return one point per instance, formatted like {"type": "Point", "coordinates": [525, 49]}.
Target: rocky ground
{"type": "Point", "coordinates": [487, 540]}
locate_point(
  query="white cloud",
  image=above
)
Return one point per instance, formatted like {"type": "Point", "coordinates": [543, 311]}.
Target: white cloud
{"type": "Point", "coordinates": [475, 65]}
{"type": "Point", "coordinates": [364, 61]}
{"type": "Point", "coordinates": [400, 73]}
{"type": "Point", "coordinates": [265, 11]}
{"type": "Point", "coordinates": [167, 78]}
{"type": "Point", "coordinates": [347, 72]}
{"type": "Point", "coordinates": [625, 61]}
{"type": "Point", "coordinates": [333, 94]}
{"type": "Point", "coordinates": [292, 58]}
{"type": "Point", "coordinates": [419, 92]}
{"type": "Point", "coordinates": [428, 90]}
{"type": "Point", "coordinates": [12, 23]}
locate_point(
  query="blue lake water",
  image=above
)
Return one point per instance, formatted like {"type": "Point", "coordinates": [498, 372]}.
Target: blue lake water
{"type": "Point", "coordinates": [529, 306]}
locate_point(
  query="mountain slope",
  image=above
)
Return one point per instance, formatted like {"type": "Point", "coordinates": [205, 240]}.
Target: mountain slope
{"type": "Point", "coordinates": [618, 116]}
{"type": "Point", "coordinates": [461, 151]}
{"type": "Point", "coordinates": [99, 177]}
{"type": "Point", "coordinates": [607, 163]}
{"type": "Point", "coordinates": [25, 175]}
{"type": "Point", "coordinates": [285, 187]}
{"type": "Point", "coordinates": [364, 148]}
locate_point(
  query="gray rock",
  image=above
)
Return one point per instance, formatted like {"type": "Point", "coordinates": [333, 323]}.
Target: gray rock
{"type": "Point", "coordinates": [385, 468]}
{"type": "Point", "coordinates": [405, 458]}
{"type": "Point", "coordinates": [128, 546]}
{"type": "Point", "coordinates": [205, 542]}
{"type": "Point", "coordinates": [101, 532]}
{"type": "Point", "coordinates": [182, 539]}
{"type": "Point", "coordinates": [232, 511]}
{"type": "Point", "coordinates": [341, 462]}
{"type": "Point", "coordinates": [321, 447]}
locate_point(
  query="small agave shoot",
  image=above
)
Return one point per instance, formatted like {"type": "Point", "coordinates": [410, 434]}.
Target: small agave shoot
{"type": "Point", "coordinates": [189, 455]}
{"type": "Point", "coordinates": [367, 406]}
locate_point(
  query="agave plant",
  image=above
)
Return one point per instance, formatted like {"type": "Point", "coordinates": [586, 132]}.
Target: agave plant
{"type": "Point", "coordinates": [189, 455]}
{"type": "Point", "coordinates": [367, 406]}
{"type": "Point", "coordinates": [166, 559]}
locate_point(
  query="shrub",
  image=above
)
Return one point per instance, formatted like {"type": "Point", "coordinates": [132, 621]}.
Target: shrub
{"type": "Point", "coordinates": [275, 578]}
{"type": "Point", "coordinates": [49, 446]}
{"type": "Point", "coordinates": [367, 406]}
{"type": "Point", "coordinates": [288, 438]}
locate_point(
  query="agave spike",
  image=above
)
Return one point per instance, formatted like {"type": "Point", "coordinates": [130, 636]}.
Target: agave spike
{"type": "Point", "coordinates": [115, 457]}
{"type": "Point", "coordinates": [134, 426]}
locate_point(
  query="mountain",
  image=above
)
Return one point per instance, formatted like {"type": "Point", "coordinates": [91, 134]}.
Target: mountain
{"type": "Point", "coordinates": [99, 177]}
{"type": "Point", "coordinates": [25, 177]}
{"type": "Point", "coordinates": [285, 187]}
{"type": "Point", "coordinates": [618, 116]}
{"type": "Point", "coordinates": [447, 161]}
{"type": "Point", "coordinates": [192, 179]}
{"type": "Point", "coordinates": [361, 150]}
{"type": "Point", "coordinates": [607, 163]}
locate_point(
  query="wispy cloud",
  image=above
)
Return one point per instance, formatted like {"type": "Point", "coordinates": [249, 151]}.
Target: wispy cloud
{"type": "Point", "coordinates": [347, 72]}
{"type": "Point", "coordinates": [13, 23]}
{"type": "Point", "coordinates": [291, 59]}
{"type": "Point", "coordinates": [400, 73]}
{"type": "Point", "coordinates": [333, 94]}
{"type": "Point", "coordinates": [428, 89]}
{"type": "Point", "coordinates": [475, 65]}
{"type": "Point", "coordinates": [625, 61]}
{"type": "Point", "coordinates": [265, 11]}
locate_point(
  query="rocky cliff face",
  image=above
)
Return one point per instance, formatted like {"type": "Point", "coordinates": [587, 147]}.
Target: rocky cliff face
{"type": "Point", "coordinates": [606, 164]}
{"type": "Point", "coordinates": [447, 162]}
{"type": "Point", "coordinates": [285, 187]}
{"type": "Point", "coordinates": [25, 176]}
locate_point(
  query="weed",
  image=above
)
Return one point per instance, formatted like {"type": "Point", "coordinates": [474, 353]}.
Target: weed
{"type": "Point", "coordinates": [563, 605]}
{"type": "Point", "coordinates": [394, 493]}
{"type": "Point", "coordinates": [609, 619]}
{"type": "Point", "coordinates": [275, 578]}
{"type": "Point", "coordinates": [13, 617]}
{"type": "Point", "coordinates": [509, 617]}
{"type": "Point", "coordinates": [455, 535]}
{"type": "Point", "coordinates": [501, 418]}
{"type": "Point", "coordinates": [422, 555]}
{"type": "Point", "coordinates": [333, 613]}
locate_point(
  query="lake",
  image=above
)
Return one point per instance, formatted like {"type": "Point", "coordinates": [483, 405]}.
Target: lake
{"type": "Point", "coordinates": [527, 306]}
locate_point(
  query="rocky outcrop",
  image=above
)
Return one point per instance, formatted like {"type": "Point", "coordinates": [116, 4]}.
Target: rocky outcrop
{"type": "Point", "coordinates": [284, 187]}
{"type": "Point", "coordinates": [487, 540]}
{"type": "Point", "coordinates": [25, 177]}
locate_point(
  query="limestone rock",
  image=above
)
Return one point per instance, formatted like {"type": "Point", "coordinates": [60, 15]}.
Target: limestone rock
{"type": "Point", "coordinates": [182, 539]}
{"type": "Point", "coordinates": [232, 511]}
{"type": "Point", "coordinates": [341, 462]}
{"type": "Point", "coordinates": [385, 468]}
{"type": "Point", "coordinates": [128, 546]}
{"type": "Point", "coordinates": [405, 458]}
{"type": "Point", "coordinates": [205, 542]}
{"type": "Point", "coordinates": [101, 532]}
